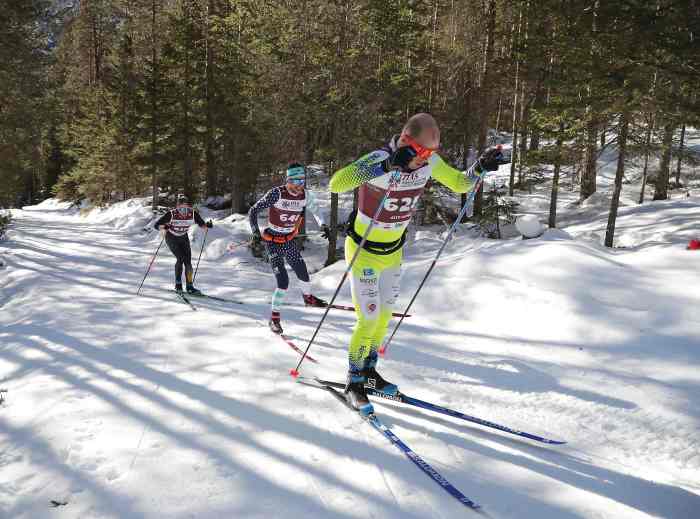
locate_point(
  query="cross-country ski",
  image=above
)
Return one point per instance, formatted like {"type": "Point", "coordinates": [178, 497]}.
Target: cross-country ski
{"type": "Point", "coordinates": [419, 462]}
{"type": "Point", "coordinates": [405, 399]}
{"type": "Point", "coordinates": [473, 228]}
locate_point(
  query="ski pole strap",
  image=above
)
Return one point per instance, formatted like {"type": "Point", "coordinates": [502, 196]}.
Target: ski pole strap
{"type": "Point", "coordinates": [375, 247]}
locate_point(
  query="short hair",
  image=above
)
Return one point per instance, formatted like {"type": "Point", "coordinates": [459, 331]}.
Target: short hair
{"type": "Point", "coordinates": [295, 165]}
{"type": "Point", "coordinates": [419, 122]}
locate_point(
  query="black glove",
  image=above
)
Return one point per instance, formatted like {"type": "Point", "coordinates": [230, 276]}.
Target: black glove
{"type": "Point", "coordinates": [491, 159]}
{"type": "Point", "coordinates": [325, 232]}
{"type": "Point", "coordinates": [400, 159]}
{"type": "Point", "coordinates": [210, 224]}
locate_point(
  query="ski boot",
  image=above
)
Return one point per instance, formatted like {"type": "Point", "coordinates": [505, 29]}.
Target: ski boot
{"type": "Point", "coordinates": [178, 288]}
{"type": "Point", "coordinates": [274, 323]}
{"type": "Point", "coordinates": [356, 395]}
{"type": "Point", "coordinates": [312, 300]}
{"type": "Point", "coordinates": [191, 290]}
{"type": "Point", "coordinates": [374, 380]}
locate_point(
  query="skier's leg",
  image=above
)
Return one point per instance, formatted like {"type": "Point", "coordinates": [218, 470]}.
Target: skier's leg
{"type": "Point", "coordinates": [293, 256]}
{"type": "Point", "coordinates": [389, 286]}
{"type": "Point", "coordinates": [174, 246]}
{"type": "Point", "coordinates": [364, 285]}
{"type": "Point", "coordinates": [276, 256]}
{"type": "Point", "coordinates": [389, 289]}
{"type": "Point", "coordinates": [187, 259]}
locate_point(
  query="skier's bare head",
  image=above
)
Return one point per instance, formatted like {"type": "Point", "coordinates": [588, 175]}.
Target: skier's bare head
{"type": "Point", "coordinates": [424, 129]}
{"type": "Point", "coordinates": [421, 132]}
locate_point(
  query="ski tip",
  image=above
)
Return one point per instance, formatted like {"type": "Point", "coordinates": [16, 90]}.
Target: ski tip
{"type": "Point", "coordinates": [294, 373]}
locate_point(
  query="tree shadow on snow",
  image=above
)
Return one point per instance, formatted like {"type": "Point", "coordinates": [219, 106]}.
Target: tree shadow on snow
{"type": "Point", "coordinates": [70, 353]}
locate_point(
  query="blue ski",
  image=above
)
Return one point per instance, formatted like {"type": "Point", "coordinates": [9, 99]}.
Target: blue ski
{"type": "Point", "coordinates": [405, 399]}
{"type": "Point", "coordinates": [419, 462]}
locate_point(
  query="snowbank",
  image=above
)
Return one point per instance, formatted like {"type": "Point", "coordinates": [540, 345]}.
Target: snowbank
{"type": "Point", "coordinates": [130, 215]}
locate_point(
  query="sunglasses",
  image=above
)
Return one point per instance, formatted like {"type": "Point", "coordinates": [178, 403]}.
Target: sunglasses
{"type": "Point", "coordinates": [421, 151]}
{"type": "Point", "coordinates": [296, 181]}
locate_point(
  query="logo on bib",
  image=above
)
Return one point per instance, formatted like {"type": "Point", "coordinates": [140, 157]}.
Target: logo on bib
{"type": "Point", "coordinates": [371, 308]}
{"type": "Point", "coordinates": [368, 272]}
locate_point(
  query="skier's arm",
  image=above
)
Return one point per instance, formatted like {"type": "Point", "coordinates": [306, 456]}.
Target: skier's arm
{"type": "Point", "coordinates": [163, 220]}
{"type": "Point", "coordinates": [198, 219]}
{"type": "Point", "coordinates": [270, 198]}
{"type": "Point", "coordinates": [457, 181]}
{"type": "Point", "coordinates": [315, 209]}
{"type": "Point", "coordinates": [362, 170]}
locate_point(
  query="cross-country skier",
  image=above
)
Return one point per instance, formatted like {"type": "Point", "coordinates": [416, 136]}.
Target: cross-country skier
{"type": "Point", "coordinates": [376, 274]}
{"type": "Point", "coordinates": [286, 206]}
{"type": "Point", "coordinates": [176, 223]}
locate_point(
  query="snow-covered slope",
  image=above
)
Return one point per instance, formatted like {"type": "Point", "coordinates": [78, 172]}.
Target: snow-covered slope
{"type": "Point", "coordinates": [133, 407]}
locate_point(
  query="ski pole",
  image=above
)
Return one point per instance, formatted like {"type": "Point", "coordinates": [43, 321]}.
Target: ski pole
{"type": "Point", "coordinates": [395, 178]}
{"type": "Point", "coordinates": [150, 265]}
{"type": "Point", "coordinates": [468, 204]}
{"type": "Point", "coordinates": [204, 241]}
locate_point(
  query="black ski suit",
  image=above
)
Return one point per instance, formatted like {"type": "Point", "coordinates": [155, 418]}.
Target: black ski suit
{"type": "Point", "coordinates": [179, 244]}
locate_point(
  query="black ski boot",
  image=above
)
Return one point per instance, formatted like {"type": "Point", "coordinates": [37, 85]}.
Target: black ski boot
{"type": "Point", "coordinates": [193, 291]}
{"type": "Point", "coordinates": [356, 395]}
{"type": "Point", "coordinates": [312, 300]}
{"type": "Point", "coordinates": [178, 288]}
{"type": "Point", "coordinates": [275, 325]}
{"type": "Point", "coordinates": [374, 380]}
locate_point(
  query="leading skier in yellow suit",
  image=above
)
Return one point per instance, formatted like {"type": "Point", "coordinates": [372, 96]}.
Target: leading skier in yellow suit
{"type": "Point", "coordinates": [402, 167]}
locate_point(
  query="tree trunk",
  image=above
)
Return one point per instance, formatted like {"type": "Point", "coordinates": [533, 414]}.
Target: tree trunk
{"type": "Point", "coordinates": [651, 122]}
{"type": "Point", "coordinates": [647, 145]}
{"type": "Point", "coordinates": [154, 108]}
{"type": "Point", "coordinates": [186, 108]}
{"type": "Point", "coordinates": [514, 125]}
{"type": "Point", "coordinates": [485, 95]}
{"type": "Point", "coordinates": [680, 157]}
{"type": "Point", "coordinates": [524, 107]}
{"type": "Point", "coordinates": [588, 176]}
{"type": "Point", "coordinates": [333, 238]}
{"type": "Point", "coordinates": [212, 174]}
{"type": "Point", "coordinates": [555, 179]}
{"type": "Point", "coordinates": [623, 126]}
{"type": "Point", "coordinates": [661, 186]}
{"type": "Point", "coordinates": [540, 101]}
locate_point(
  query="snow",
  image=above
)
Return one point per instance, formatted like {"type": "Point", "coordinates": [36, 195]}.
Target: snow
{"type": "Point", "coordinates": [529, 226]}
{"type": "Point", "coordinates": [139, 407]}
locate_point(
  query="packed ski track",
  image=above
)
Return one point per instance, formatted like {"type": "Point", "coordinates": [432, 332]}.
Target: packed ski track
{"type": "Point", "coordinates": [139, 407]}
